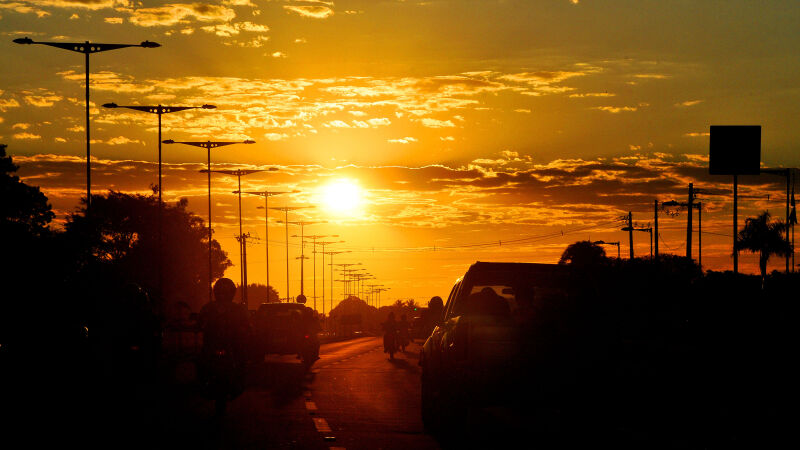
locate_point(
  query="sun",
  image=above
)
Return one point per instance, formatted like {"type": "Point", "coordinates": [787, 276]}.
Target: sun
{"type": "Point", "coordinates": [342, 195]}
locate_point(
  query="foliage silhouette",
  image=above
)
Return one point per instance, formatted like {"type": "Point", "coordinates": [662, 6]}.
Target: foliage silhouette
{"type": "Point", "coordinates": [583, 253]}
{"type": "Point", "coordinates": [122, 235]}
{"type": "Point", "coordinates": [257, 292]}
{"type": "Point", "coordinates": [766, 238]}
{"type": "Point", "coordinates": [24, 209]}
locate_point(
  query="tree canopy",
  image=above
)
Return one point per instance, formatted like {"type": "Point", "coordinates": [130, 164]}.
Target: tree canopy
{"type": "Point", "coordinates": [122, 234]}
{"type": "Point", "coordinates": [583, 253]}
{"type": "Point", "coordinates": [24, 209]}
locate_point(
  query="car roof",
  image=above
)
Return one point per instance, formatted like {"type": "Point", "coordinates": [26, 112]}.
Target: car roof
{"type": "Point", "coordinates": [280, 306]}
{"type": "Point", "coordinates": [516, 267]}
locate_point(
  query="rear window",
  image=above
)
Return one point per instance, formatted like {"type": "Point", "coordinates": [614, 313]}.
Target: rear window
{"type": "Point", "coordinates": [514, 294]}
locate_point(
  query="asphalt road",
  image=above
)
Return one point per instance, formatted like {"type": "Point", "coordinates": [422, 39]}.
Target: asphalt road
{"type": "Point", "coordinates": [354, 397]}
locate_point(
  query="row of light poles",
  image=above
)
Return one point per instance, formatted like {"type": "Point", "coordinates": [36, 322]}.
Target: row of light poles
{"type": "Point", "coordinates": [88, 48]}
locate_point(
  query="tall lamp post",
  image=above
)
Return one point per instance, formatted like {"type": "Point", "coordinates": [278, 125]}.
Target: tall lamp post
{"type": "Point", "coordinates": [302, 224]}
{"type": "Point", "coordinates": [331, 254]}
{"type": "Point", "coordinates": [208, 145]}
{"type": "Point", "coordinates": [239, 173]}
{"type": "Point", "coordinates": [323, 244]}
{"type": "Point", "coordinates": [286, 210]}
{"type": "Point", "coordinates": [314, 242]}
{"type": "Point", "coordinates": [87, 48]}
{"type": "Point", "coordinates": [267, 195]}
{"type": "Point", "coordinates": [159, 110]}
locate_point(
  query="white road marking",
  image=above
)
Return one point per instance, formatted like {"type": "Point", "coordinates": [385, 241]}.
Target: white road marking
{"type": "Point", "coordinates": [311, 406]}
{"type": "Point", "coordinates": [322, 425]}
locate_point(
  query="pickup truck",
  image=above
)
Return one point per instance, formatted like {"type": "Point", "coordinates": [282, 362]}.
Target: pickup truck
{"type": "Point", "coordinates": [495, 342]}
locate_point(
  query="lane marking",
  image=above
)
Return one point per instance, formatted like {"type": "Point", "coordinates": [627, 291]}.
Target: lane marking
{"type": "Point", "coordinates": [322, 425]}
{"type": "Point", "coordinates": [311, 406]}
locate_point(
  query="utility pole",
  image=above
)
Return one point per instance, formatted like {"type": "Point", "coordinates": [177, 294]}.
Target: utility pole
{"type": "Point", "coordinates": [629, 229]}
{"type": "Point", "coordinates": [788, 174]}
{"type": "Point", "coordinates": [286, 210]}
{"type": "Point", "coordinates": [323, 244]}
{"type": "Point", "coordinates": [655, 223]}
{"type": "Point", "coordinates": [242, 238]}
{"type": "Point", "coordinates": [239, 173]}
{"type": "Point", "coordinates": [302, 258]}
{"type": "Point", "coordinates": [331, 264]}
{"type": "Point", "coordinates": [314, 238]}
{"type": "Point", "coordinates": [690, 208]}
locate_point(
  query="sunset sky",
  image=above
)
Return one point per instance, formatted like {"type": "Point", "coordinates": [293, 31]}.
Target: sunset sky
{"type": "Point", "coordinates": [414, 124]}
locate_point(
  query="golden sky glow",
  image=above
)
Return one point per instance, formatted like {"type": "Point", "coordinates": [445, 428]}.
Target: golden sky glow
{"type": "Point", "coordinates": [446, 124]}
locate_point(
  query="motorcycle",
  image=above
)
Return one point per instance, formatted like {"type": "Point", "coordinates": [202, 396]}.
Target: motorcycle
{"type": "Point", "coordinates": [222, 378]}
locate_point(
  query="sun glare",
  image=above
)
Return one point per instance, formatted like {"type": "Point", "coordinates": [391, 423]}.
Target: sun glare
{"type": "Point", "coordinates": [342, 196]}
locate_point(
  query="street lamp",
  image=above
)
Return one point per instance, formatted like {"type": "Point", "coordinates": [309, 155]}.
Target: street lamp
{"type": "Point", "coordinates": [286, 210]}
{"type": "Point", "coordinates": [609, 243]}
{"type": "Point", "coordinates": [86, 48]}
{"type": "Point", "coordinates": [208, 145]}
{"type": "Point", "coordinates": [267, 195]}
{"type": "Point", "coordinates": [159, 110]}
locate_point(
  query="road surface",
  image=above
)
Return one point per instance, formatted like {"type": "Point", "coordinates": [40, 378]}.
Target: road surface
{"type": "Point", "coordinates": [354, 397]}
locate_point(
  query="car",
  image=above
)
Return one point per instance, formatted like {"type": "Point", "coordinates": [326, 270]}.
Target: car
{"type": "Point", "coordinates": [286, 329]}
{"type": "Point", "coordinates": [484, 351]}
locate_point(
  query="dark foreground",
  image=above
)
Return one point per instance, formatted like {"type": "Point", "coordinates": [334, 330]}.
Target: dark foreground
{"type": "Point", "coordinates": [354, 397]}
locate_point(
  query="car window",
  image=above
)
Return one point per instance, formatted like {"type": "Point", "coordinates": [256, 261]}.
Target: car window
{"type": "Point", "coordinates": [515, 295]}
{"type": "Point", "coordinates": [450, 299]}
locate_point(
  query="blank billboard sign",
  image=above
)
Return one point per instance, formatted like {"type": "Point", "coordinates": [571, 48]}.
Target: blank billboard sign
{"type": "Point", "coordinates": [735, 150]}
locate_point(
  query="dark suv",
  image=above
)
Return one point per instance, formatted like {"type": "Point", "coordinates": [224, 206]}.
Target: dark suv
{"type": "Point", "coordinates": [286, 329]}
{"type": "Point", "coordinates": [487, 347]}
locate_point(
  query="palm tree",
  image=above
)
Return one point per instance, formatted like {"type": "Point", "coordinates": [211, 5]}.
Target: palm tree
{"type": "Point", "coordinates": [766, 238]}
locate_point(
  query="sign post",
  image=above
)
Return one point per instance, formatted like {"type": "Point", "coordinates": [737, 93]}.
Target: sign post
{"type": "Point", "coordinates": [735, 150]}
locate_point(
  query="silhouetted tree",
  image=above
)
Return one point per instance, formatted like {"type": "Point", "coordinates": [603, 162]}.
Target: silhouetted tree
{"type": "Point", "coordinates": [24, 209]}
{"type": "Point", "coordinates": [257, 293]}
{"type": "Point", "coordinates": [121, 235]}
{"type": "Point", "coordinates": [583, 253]}
{"type": "Point", "coordinates": [766, 238]}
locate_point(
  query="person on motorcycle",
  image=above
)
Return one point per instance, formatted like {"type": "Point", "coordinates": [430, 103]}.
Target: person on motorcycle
{"type": "Point", "coordinates": [390, 336]}
{"type": "Point", "coordinates": [225, 327]}
{"type": "Point", "coordinates": [402, 332]}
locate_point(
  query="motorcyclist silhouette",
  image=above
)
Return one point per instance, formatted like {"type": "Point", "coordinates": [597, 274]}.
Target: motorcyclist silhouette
{"type": "Point", "coordinates": [402, 332]}
{"type": "Point", "coordinates": [225, 329]}
{"type": "Point", "coordinates": [390, 336]}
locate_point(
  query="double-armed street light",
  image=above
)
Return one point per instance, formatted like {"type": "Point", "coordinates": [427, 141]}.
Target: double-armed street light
{"type": "Point", "coordinates": [208, 145]}
{"type": "Point", "coordinates": [159, 110]}
{"type": "Point", "coordinates": [286, 210]}
{"type": "Point", "coordinates": [267, 195]}
{"type": "Point", "coordinates": [87, 48]}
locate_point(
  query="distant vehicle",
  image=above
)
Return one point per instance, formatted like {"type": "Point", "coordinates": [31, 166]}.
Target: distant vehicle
{"type": "Point", "coordinates": [286, 329]}
{"type": "Point", "coordinates": [482, 352]}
